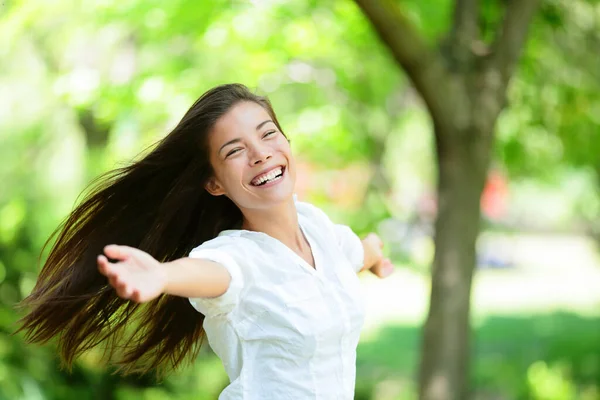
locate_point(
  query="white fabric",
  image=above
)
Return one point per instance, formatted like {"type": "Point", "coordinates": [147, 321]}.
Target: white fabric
{"type": "Point", "coordinates": [283, 329]}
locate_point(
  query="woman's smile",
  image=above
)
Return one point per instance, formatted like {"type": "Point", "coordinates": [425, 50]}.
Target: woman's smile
{"type": "Point", "coordinates": [269, 178]}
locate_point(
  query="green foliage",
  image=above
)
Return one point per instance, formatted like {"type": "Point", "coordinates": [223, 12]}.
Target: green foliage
{"type": "Point", "coordinates": [553, 120]}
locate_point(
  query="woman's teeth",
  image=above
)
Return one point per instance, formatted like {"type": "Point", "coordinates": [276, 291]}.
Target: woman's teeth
{"type": "Point", "coordinates": [271, 176]}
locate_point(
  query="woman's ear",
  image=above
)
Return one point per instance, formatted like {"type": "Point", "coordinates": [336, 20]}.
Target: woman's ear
{"type": "Point", "coordinates": [213, 187]}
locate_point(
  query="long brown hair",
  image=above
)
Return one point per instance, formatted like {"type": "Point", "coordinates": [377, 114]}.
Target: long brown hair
{"type": "Point", "coordinates": [159, 205]}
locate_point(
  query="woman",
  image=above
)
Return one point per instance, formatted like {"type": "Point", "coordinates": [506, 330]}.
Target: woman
{"type": "Point", "coordinates": [205, 236]}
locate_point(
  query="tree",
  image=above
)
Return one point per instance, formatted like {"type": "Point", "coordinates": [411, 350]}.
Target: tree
{"type": "Point", "coordinates": [463, 83]}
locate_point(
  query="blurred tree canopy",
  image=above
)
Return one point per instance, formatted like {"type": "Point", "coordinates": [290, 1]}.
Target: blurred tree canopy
{"type": "Point", "coordinates": [85, 86]}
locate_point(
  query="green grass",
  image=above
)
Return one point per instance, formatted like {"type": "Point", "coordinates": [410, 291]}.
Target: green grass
{"type": "Point", "coordinates": [504, 348]}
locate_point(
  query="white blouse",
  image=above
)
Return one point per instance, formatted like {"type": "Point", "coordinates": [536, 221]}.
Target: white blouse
{"type": "Point", "coordinates": [286, 330]}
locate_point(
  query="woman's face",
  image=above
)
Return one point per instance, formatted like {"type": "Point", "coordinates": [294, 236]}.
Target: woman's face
{"type": "Point", "coordinates": [251, 158]}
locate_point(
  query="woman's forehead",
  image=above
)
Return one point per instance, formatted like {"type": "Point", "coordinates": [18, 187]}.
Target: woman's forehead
{"type": "Point", "coordinates": [244, 116]}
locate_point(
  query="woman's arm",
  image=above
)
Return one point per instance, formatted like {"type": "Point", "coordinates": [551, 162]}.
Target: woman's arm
{"type": "Point", "coordinates": [374, 260]}
{"type": "Point", "coordinates": [139, 277]}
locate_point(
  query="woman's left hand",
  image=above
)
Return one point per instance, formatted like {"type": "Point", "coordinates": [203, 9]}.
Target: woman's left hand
{"type": "Point", "coordinates": [375, 262]}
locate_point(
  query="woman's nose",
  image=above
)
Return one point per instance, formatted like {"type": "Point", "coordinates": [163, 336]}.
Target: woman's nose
{"type": "Point", "coordinates": [260, 154]}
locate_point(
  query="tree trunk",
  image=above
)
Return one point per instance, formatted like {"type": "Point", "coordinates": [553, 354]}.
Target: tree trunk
{"type": "Point", "coordinates": [463, 84]}
{"type": "Point", "coordinates": [462, 167]}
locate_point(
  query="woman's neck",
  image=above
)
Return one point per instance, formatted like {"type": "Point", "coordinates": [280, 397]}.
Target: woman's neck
{"type": "Point", "coordinates": [279, 222]}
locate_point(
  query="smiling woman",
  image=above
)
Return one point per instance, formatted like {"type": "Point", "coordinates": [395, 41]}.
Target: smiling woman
{"type": "Point", "coordinates": [204, 236]}
{"type": "Point", "coordinates": [254, 155]}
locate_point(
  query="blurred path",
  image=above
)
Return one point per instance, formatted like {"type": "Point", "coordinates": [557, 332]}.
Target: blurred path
{"type": "Point", "coordinates": [551, 273]}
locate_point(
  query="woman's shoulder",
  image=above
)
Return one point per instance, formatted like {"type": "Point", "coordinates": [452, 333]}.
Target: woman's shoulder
{"type": "Point", "coordinates": [233, 251]}
{"type": "Point", "coordinates": [312, 212]}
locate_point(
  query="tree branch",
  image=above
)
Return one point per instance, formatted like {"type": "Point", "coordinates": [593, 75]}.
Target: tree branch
{"type": "Point", "coordinates": [422, 64]}
{"type": "Point", "coordinates": [509, 42]}
{"type": "Point", "coordinates": [464, 33]}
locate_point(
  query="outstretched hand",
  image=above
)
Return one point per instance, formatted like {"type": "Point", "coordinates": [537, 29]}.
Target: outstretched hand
{"type": "Point", "coordinates": [379, 265]}
{"type": "Point", "coordinates": [136, 276]}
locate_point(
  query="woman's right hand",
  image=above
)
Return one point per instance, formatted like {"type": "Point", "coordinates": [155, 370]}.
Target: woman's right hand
{"type": "Point", "coordinates": [137, 276]}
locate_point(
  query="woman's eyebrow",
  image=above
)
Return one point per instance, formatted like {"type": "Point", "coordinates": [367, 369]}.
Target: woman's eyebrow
{"type": "Point", "coordinates": [262, 123]}
{"type": "Point", "coordinates": [232, 141]}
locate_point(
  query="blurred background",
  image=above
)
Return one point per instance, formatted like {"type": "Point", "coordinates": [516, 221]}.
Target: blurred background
{"type": "Point", "coordinates": [86, 86]}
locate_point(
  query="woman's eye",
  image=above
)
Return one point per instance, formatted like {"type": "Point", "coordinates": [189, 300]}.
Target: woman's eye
{"type": "Point", "coordinates": [270, 133]}
{"type": "Point", "coordinates": [232, 152]}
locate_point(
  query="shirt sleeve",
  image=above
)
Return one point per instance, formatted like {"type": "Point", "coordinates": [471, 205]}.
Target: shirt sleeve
{"type": "Point", "coordinates": [225, 303]}
{"type": "Point", "coordinates": [346, 239]}
{"type": "Point", "coordinates": [351, 245]}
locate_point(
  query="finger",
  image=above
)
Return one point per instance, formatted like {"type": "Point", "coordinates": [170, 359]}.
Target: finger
{"type": "Point", "coordinates": [105, 266]}
{"type": "Point", "coordinates": [121, 284]}
{"type": "Point", "coordinates": [102, 264]}
{"type": "Point", "coordinates": [114, 281]}
{"type": "Point", "coordinates": [119, 252]}
{"type": "Point", "coordinates": [376, 238]}
{"type": "Point", "coordinates": [124, 291]}
{"type": "Point", "coordinates": [387, 270]}
{"type": "Point", "coordinates": [121, 294]}
{"type": "Point", "coordinates": [135, 296]}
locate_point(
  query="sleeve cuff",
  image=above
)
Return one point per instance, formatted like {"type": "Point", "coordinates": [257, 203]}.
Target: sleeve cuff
{"type": "Point", "coordinates": [225, 303]}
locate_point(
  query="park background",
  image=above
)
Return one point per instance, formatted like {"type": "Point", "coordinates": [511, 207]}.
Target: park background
{"type": "Point", "coordinates": [87, 86]}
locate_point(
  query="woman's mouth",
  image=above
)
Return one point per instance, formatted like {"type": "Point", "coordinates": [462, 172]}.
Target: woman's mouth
{"type": "Point", "coordinates": [270, 178]}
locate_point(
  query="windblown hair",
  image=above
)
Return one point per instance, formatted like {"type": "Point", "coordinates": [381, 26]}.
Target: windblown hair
{"type": "Point", "coordinates": [159, 205]}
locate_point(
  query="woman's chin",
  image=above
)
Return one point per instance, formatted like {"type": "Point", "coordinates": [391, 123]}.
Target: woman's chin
{"type": "Point", "coordinates": [273, 196]}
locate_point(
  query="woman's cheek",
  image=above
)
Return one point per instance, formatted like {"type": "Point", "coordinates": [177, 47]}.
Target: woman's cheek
{"type": "Point", "coordinates": [239, 173]}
